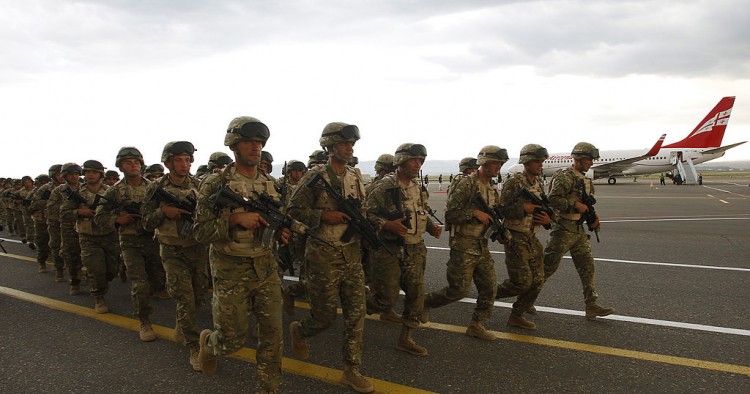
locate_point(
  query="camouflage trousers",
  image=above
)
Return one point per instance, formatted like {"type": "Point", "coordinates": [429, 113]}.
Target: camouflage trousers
{"type": "Point", "coordinates": [99, 254]}
{"type": "Point", "coordinates": [567, 235]}
{"type": "Point", "coordinates": [28, 224]}
{"type": "Point", "coordinates": [42, 242]}
{"type": "Point", "coordinates": [70, 249]}
{"type": "Point", "coordinates": [333, 275]}
{"type": "Point", "coordinates": [18, 224]}
{"type": "Point", "coordinates": [53, 229]}
{"type": "Point", "coordinates": [469, 260]}
{"type": "Point", "coordinates": [524, 259]}
{"type": "Point", "coordinates": [142, 259]}
{"type": "Point", "coordinates": [404, 271]}
{"type": "Point", "coordinates": [187, 284]}
{"type": "Point", "coordinates": [10, 220]}
{"type": "Point", "coordinates": [245, 286]}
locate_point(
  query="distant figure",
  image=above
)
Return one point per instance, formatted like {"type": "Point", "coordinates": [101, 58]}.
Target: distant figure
{"type": "Point", "coordinates": [661, 179]}
{"type": "Point", "coordinates": [440, 182]}
{"type": "Point", "coordinates": [700, 179]}
{"type": "Point", "coordinates": [426, 180]}
{"type": "Point", "coordinates": [450, 179]}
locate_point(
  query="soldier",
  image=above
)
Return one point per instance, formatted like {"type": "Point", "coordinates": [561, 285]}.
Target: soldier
{"type": "Point", "coordinates": [294, 251]}
{"type": "Point", "coordinates": [16, 201]}
{"type": "Point", "coordinates": [399, 207]}
{"type": "Point", "coordinates": [184, 258]}
{"type": "Point", "coordinates": [37, 210]}
{"type": "Point", "coordinates": [8, 206]}
{"type": "Point", "coordinates": [318, 157]}
{"type": "Point", "coordinates": [245, 273]}
{"type": "Point", "coordinates": [567, 232]}
{"type": "Point", "coordinates": [111, 177]}
{"type": "Point", "coordinates": [99, 249]}
{"type": "Point", "coordinates": [217, 161]}
{"type": "Point", "coordinates": [524, 254]}
{"type": "Point", "coordinates": [266, 162]}
{"type": "Point", "coordinates": [139, 248]}
{"type": "Point", "coordinates": [202, 171]}
{"type": "Point", "coordinates": [154, 172]}
{"type": "Point", "coordinates": [39, 203]}
{"type": "Point", "coordinates": [333, 274]}
{"type": "Point", "coordinates": [469, 255]}
{"type": "Point", "coordinates": [27, 188]}
{"type": "Point", "coordinates": [70, 247]}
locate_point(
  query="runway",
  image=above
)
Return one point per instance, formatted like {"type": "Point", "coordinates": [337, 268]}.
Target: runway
{"type": "Point", "coordinates": [673, 260]}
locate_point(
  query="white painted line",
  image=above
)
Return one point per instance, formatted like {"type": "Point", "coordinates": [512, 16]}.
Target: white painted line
{"type": "Point", "coordinates": [724, 201]}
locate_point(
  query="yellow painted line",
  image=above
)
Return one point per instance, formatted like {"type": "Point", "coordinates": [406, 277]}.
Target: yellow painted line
{"type": "Point", "coordinates": [18, 257]}
{"type": "Point", "coordinates": [318, 372]}
{"type": "Point", "coordinates": [725, 202]}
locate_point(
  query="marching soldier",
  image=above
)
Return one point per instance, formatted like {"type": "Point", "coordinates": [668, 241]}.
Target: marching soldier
{"type": "Point", "coordinates": [70, 247]}
{"type": "Point", "coordinates": [37, 211]}
{"type": "Point", "coordinates": [39, 207]}
{"type": "Point", "coordinates": [568, 233]}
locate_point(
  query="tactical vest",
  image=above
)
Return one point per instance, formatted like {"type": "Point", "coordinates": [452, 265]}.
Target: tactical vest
{"type": "Point", "coordinates": [53, 204]}
{"type": "Point", "coordinates": [87, 226]}
{"type": "Point", "coordinates": [245, 243]}
{"type": "Point", "coordinates": [525, 225]}
{"type": "Point", "coordinates": [168, 231]}
{"type": "Point", "coordinates": [350, 185]}
{"type": "Point", "coordinates": [124, 193]}
{"type": "Point", "coordinates": [573, 193]}
{"type": "Point", "coordinates": [414, 207]}
{"type": "Point", "coordinates": [475, 229]}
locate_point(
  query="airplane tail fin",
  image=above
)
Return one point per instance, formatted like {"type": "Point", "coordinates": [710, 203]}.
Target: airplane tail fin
{"type": "Point", "coordinates": [710, 131]}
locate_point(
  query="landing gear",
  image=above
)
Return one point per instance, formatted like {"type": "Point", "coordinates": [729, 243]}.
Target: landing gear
{"type": "Point", "coordinates": [612, 180]}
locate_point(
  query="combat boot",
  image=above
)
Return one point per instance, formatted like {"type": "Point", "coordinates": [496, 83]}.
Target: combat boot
{"type": "Point", "coordinates": [207, 361]}
{"type": "Point", "coordinates": [179, 337]}
{"type": "Point", "coordinates": [288, 302]}
{"type": "Point", "coordinates": [425, 315]}
{"type": "Point", "coordinates": [517, 320]}
{"type": "Point", "coordinates": [593, 310]}
{"type": "Point", "coordinates": [194, 357]}
{"type": "Point", "coordinates": [299, 344]}
{"type": "Point", "coordinates": [532, 310]}
{"type": "Point", "coordinates": [477, 330]}
{"type": "Point", "coordinates": [352, 378]}
{"type": "Point", "coordinates": [406, 343]}
{"type": "Point", "coordinates": [74, 290]}
{"type": "Point", "coordinates": [146, 333]}
{"type": "Point", "coordinates": [59, 276]}
{"type": "Point", "coordinates": [99, 305]}
{"type": "Point", "coordinates": [42, 267]}
{"type": "Point", "coordinates": [391, 316]}
{"type": "Point", "coordinates": [32, 245]}
{"type": "Point", "coordinates": [502, 292]}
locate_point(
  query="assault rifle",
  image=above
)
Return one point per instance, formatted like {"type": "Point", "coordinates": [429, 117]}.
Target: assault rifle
{"type": "Point", "coordinates": [283, 189]}
{"type": "Point", "coordinates": [131, 207]}
{"type": "Point", "coordinates": [496, 231]}
{"type": "Point", "coordinates": [73, 195]}
{"type": "Point", "coordinates": [351, 207]}
{"type": "Point", "coordinates": [590, 215]}
{"type": "Point", "coordinates": [543, 203]}
{"type": "Point", "coordinates": [398, 213]}
{"type": "Point", "coordinates": [166, 197]}
{"type": "Point", "coordinates": [3, 247]}
{"type": "Point", "coordinates": [268, 209]}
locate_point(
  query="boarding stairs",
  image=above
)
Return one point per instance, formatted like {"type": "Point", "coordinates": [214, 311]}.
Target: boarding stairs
{"type": "Point", "coordinates": [687, 171]}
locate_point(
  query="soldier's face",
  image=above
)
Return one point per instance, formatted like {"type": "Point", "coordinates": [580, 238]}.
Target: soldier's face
{"type": "Point", "coordinates": [247, 152]}
{"type": "Point", "coordinates": [492, 168]}
{"type": "Point", "coordinates": [295, 176]}
{"type": "Point", "coordinates": [411, 167]}
{"type": "Point", "coordinates": [92, 177]}
{"type": "Point", "coordinates": [583, 164]}
{"type": "Point", "coordinates": [28, 183]}
{"type": "Point", "coordinates": [534, 167]}
{"type": "Point", "coordinates": [58, 178]}
{"type": "Point", "coordinates": [131, 167]}
{"type": "Point", "coordinates": [71, 178]}
{"type": "Point", "coordinates": [264, 167]}
{"type": "Point", "coordinates": [180, 164]}
{"type": "Point", "coordinates": [343, 151]}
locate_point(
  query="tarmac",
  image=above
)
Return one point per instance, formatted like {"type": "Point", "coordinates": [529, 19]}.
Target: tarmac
{"type": "Point", "coordinates": [673, 260]}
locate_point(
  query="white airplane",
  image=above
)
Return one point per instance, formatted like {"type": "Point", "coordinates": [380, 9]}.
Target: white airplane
{"type": "Point", "coordinates": [701, 145]}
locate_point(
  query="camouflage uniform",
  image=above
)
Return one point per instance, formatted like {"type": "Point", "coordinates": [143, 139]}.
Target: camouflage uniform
{"type": "Point", "coordinates": [28, 222]}
{"type": "Point", "coordinates": [524, 254]}
{"type": "Point", "coordinates": [10, 218]}
{"type": "Point", "coordinates": [405, 269]}
{"type": "Point", "coordinates": [38, 212]}
{"type": "Point", "coordinates": [99, 249]}
{"type": "Point", "coordinates": [245, 276]}
{"type": "Point", "coordinates": [567, 234]}
{"type": "Point", "coordinates": [183, 257]}
{"type": "Point", "coordinates": [16, 205]}
{"type": "Point", "coordinates": [469, 254]}
{"type": "Point", "coordinates": [139, 248]}
{"type": "Point", "coordinates": [332, 273]}
{"type": "Point", "coordinates": [70, 246]}
{"type": "Point", "coordinates": [52, 214]}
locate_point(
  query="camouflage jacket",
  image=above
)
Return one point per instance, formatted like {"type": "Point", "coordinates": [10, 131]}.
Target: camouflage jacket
{"type": "Point", "coordinates": [118, 199]}
{"type": "Point", "coordinates": [459, 209]}
{"type": "Point", "coordinates": [382, 202]}
{"type": "Point", "coordinates": [84, 225]}
{"type": "Point", "coordinates": [563, 192]}
{"type": "Point", "coordinates": [511, 204]}
{"type": "Point", "coordinates": [167, 230]}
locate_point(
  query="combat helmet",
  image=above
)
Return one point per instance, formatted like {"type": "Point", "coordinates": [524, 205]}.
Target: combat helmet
{"type": "Point", "coordinates": [384, 163]}
{"type": "Point", "coordinates": [336, 132]}
{"type": "Point", "coordinates": [93, 165]}
{"type": "Point", "coordinates": [295, 165]}
{"type": "Point", "coordinates": [54, 169]}
{"type": "Point", "coordinates": [218, 159]}
{"type": "Point", "coordinates": [69, 168]}
{"type": "Point", "coordinates": [532, 152]}
{"type": "Point", "coordinates": [317, 157]}
{"type": "Point", "coordinates": [408, 151]}
{"type": "Point", "coordinates": [41, 179]}
{"type": "Point", "coordinates": [202, 170]}
{"type": "Point", "coordinates": [246, 128]}
{"type": "Point", "coordinates": [466, 163]}
{"type": "Point", "coordinates": [112, 174]}
{"type": "Point", "coordinates": [154, 169]}
{"type": "Point", "coordinates": [492, 153]}
{"type": "Point", "coordinates": [177, 148]}
{"type": "Point", "coordinates": [585, 149]}
{"type": "Point", "coordinates": [129, 152]}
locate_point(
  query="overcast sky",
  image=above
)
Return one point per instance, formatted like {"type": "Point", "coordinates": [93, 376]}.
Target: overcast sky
{"type": "Point", "coordinates": [80, 79]}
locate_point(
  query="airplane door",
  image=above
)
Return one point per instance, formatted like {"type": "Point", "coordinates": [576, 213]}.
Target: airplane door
{"type": "Point", "coordinates": [675, 157]}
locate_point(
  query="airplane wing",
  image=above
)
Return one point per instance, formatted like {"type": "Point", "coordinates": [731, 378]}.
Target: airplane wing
{"type": "Point", "coordinates": [722, 149]}
{"type": "Point", "coordinates": [617, 167]}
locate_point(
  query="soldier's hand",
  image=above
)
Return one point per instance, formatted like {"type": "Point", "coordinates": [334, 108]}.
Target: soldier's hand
{"type": "Point", "coordinates": [596, 224]}
{"type": "Point", "coordinates": [541, 218]}
{"type": "Point", "coordinates": [330, 216]}
{"type": "Point", "coordinates": [126, 218]}
{"type": "Point", "coordinates": [529, 207]}
{"type": "Point", "coordinates": [396, 226]}
{"type": "Point", "coordinates": [482, 217]}
{"type": "Point", "coordinates": [581, 207]}
{"type": "Point", "coordinates": [85, 212]}
{"type": "Point", "coordinates": [285, 235]}
{"type": "Point", "coordinates": [247, 220]}
{"type": "Point", "coordinates": [436, 231]}
{"type": "Point", "coordinates": [173, 213]}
